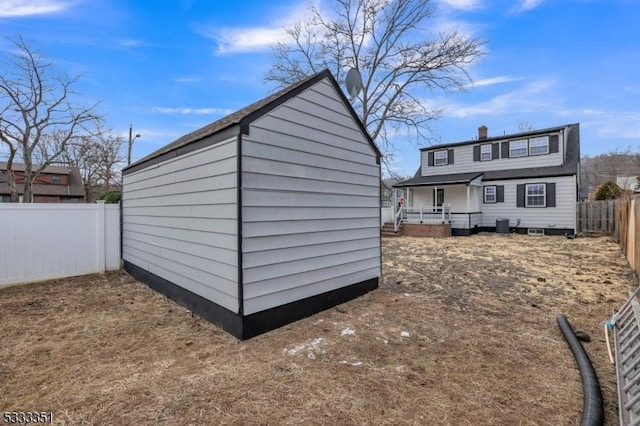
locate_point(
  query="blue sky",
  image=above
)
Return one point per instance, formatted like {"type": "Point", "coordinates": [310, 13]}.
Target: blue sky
{"type": "Point", "coordinates": [170, 67]}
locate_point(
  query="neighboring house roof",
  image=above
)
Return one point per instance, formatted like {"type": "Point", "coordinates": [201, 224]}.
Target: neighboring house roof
{"type": "Point", "coordinates": [74, 189]}
{"type": "Point", "coordinates": [54, 170]}
{"type": "Point", "coordinates": [246, 115]}
{"type": "Point", "coordinates": [569, 168]}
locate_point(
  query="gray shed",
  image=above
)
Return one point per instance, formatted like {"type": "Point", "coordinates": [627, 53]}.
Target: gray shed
{"type": "Point", "coordinates": [264, 217]}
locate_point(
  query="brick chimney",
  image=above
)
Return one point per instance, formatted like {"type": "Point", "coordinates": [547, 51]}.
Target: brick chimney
{"type": "Point", "coordinates": [482, 132]}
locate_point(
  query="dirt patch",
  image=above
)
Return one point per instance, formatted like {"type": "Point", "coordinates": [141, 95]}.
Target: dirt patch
{"type": "Point", "coordinates": [462, 331]}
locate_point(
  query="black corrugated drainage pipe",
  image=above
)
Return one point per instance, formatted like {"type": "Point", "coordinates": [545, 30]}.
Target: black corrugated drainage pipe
{"type": "Point", "coordinates": [592, 406]}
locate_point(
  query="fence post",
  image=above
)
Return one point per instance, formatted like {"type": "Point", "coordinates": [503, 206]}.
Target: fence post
{"type": "Point", "coordinates": [100, 236]}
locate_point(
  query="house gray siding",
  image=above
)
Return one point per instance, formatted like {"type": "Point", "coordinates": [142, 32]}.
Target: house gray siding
{"type": "Point", "coordinates": [562, 216]}
{"type": "Point", "coordinates": [180, 221]}
{"type": "Point", "coordinates": [305, 165]}
{"type": "Point", "coordinates": [464, 163]}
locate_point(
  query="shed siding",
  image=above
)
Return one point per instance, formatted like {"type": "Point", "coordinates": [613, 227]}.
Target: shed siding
{"type": "Point", "coordinates": [310, 202]}
{"type": "Point", "coordinates": [464, 161]}
{"type": "Point", "coordinates": [180, 221]}
{"type": "Point", "coordinates": [561, 216]}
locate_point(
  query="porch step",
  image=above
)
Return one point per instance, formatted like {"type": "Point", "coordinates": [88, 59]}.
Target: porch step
{"type": "Point", "coordinates": [387, 230]}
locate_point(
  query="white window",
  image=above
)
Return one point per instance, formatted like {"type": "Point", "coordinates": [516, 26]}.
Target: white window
{"type": "Point", "coordinates": [535, 195]}
{"type": "Point", "coordinates": [518, 148]}
{"type": "Point", "coordinates": [485, 152]}
{"type": "Point", "coordinates": [440, 158]}
{"type": "Point", "coordinates": [489, 194]}
{"type": "Point", "coordinates": [539, 145]}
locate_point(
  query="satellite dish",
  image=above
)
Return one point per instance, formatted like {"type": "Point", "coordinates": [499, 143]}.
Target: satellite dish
{"type": "Point", "coordinates": [354, 83]}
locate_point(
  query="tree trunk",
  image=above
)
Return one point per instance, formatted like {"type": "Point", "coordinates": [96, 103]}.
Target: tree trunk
{"type": "Point", "coordinates": [11, 177]}
{"type": "Point", "coordinates": [27, 197]}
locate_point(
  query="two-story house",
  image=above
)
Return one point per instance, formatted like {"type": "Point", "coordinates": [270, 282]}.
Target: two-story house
{"type": "Point", "coordinates": [524, 182]}
{"type": "Point", "coordinates": [56, 184]}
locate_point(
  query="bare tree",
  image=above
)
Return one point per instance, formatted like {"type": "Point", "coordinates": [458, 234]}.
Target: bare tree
{"type": "Point", "coordinates": [525, 126]}
{"type": "Point", "coordinates": [33, 104]}
{"type": "Point", "coordinates": [401, 64]}
{"type": "Point", "coordinates": [599, 169]}
{"type": "Point", "coordinates": [110, 160]}
{"type": "Point", "coordinates": [98, 158]}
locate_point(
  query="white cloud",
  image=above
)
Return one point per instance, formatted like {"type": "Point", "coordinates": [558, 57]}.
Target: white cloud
{"type": "Point", "coordinates": [19, 8]}
{"type": "Point", "coordinates": [187, 79]}
{"type": "Point", "coordinates": [462, 4]}
{"type": "Point", "coordinates": [493, 80]}
{"type": "Point", "coordinates": [259, 37]}
{"type": "Point", "coordinates": [532, 97]}
{"type": "Point", "coordinates": [190, 111]}
{"type": "Point", "coordinates": [239, 40]}
{"type": "Point", "coordinates": [607, 124]}
{"type": "Point", "coordinates": [131, 43]}
{"type": "Point", "coordinates": [527, 5]}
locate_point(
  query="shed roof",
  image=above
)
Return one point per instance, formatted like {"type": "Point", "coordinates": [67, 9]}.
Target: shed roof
{"type": "Point", "coordinates": [243, 117]}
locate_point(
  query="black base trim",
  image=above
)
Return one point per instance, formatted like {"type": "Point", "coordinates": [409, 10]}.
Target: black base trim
{"type": "Point", "coordinates": [229, 321]}
{"type": "Point", "coordinates": [254, 324]}
{"type": "Point", "coordinates": [512, 230]}
{"type": "Point", "coordinates": [459, 232]}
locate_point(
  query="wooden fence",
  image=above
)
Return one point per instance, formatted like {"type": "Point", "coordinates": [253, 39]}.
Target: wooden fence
{"type": "Point", "coordinates": [596, 217]}
{"type": "Point", "coordinates": [628, 230]}
{"type": "Point", "coordinates": [618, 218]}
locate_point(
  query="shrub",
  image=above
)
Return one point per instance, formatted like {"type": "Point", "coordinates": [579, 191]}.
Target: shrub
{"type": "Point", "coordinates": [608, 191]}
{"type": "Point", "coordinates": [111, 197]}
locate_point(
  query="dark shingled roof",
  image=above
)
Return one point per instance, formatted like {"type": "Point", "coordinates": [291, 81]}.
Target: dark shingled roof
{"type": "Point", "coordinates": [569, 168]}
{"type": "Point", "coordinates": [499, 138]}
{"type": "Point", "coordinates": [452, 179]}
{"type": "Point", "coordinates": [251, 112]}
{"type": "Point", "coordinates": [74, 189]}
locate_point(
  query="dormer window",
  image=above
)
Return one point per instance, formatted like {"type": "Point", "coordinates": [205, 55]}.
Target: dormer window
{"type": "Point", "coordinates": [440, 158]}
{"type": "Point", "coordinates": [538, 146]}
{"type": "Point", "coordinates": [485, 152]}
{"type": "Point", "coordinates": [55, 179]}
{"type": "Point", "coordinates": [518, 148]}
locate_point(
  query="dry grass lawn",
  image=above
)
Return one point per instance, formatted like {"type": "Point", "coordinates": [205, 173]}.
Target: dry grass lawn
{"type": "Point", "coordinates": [462, 331]}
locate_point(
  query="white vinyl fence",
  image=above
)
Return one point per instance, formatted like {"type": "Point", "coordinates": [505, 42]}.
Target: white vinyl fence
{"type": "Point", "coordinates": [386, 215]}
{"type": "Point", "coordinates": [47, 241]}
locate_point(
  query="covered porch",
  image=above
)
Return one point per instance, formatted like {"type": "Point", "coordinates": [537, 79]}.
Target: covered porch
{"type": "Point", "coordinates": [451, 200]}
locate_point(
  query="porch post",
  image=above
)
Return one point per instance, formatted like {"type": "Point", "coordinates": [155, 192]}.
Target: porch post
{"type": "Point", "coordinates": [394, 206]}
{"type": "Point", "coordinates": [468, 197]}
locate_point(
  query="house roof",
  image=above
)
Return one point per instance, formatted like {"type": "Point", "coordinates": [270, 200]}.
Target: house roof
{"type": "Point", "coordinates": [243, 117]}
{"type": "Point", "coordinates": [464, 178]}
{"type": "Point", "coordinates": [498, 138]}
{"type": "Point", "coordinates": [452, 179]}
{"type": "Point", "coordinates": [569, 168]}
{"type": "Point", "coordinates": [74, 189]}
{"type": "Point", "coordinates": [55, 170]}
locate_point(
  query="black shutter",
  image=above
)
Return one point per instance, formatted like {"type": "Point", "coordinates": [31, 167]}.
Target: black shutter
{"type": "Point", "coordinates": [520, 195]}
{"type": "Point", "coordinates": [495, 151]}
{"type": "Point", "coordinates": [500, 194]}
{"type": "Point", "coordinates": [476, 153]}
{"type": "Point", "coordinates": [505, 149]}
{"type": "Point", "coordinates": [430, 159]}
{"type": "Point", "coordinates": [553, 144]}
{"type": "Point", "coordinates": [551, 194]}
{"type": "Point", "coordinates": [450, 156]}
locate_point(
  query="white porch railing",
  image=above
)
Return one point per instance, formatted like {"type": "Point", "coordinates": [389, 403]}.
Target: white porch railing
{"type": "Point", "coordinates": [397, 219]}
{"type": "Point", "coordinates": [422, 214]}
